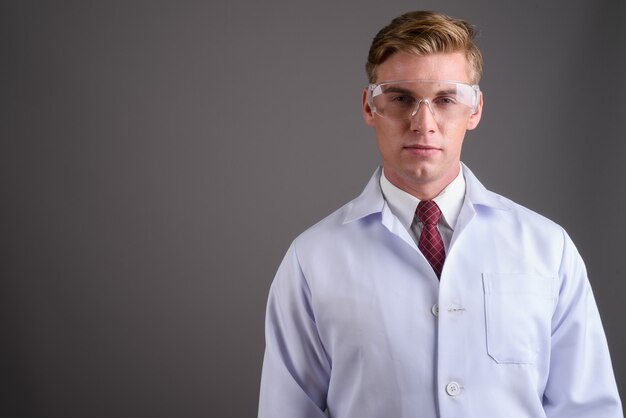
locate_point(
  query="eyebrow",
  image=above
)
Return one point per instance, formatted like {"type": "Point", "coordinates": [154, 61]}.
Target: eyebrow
{"type": "Point", "coordinates": [395, 89]}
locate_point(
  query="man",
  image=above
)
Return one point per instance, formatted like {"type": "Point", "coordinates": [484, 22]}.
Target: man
{"type": "Point", "coordinates": [428, 295]}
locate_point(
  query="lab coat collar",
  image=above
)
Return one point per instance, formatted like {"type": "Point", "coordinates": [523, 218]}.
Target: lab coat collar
{"type": "Point", "coordinates": [477, 194]}
{"type": "Point", "coordinates": [371, 200]}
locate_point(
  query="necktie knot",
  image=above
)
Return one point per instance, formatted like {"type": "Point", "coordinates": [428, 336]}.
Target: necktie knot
{"type": "Point", "coordinates": [428, 212]}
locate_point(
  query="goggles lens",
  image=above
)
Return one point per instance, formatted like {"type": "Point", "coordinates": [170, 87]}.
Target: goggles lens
{"type": "Point", "coordinates": [446, 100]}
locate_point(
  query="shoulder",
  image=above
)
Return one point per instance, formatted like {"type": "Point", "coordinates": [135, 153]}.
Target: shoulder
{"type": "Point", "coordinates": [347, 222]}
{"type": "Point", "coordinates": [495, 208]}
{"type": "Point", "coordinates": [530, 232]}
{"type": "Point", "coordinates": [332, 228]}
{"type": "Point", "coordinates": [527, 215]}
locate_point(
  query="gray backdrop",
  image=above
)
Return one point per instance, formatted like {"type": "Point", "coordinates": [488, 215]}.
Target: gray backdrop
{"type": "Point", "coordinates": [157, 158]}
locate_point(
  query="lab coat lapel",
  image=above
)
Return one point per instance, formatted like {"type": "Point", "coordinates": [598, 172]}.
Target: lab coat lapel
{"type": "Point", "coordinates": [476, 196]}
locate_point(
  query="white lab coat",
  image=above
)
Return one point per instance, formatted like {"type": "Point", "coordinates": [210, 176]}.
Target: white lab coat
{"type": "Point", "coordinates": [358, 324]}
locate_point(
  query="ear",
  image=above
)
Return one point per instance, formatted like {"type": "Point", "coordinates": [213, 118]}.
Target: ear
{"type": "Point", "coordinates": [472, 123]}
{"type": "Point", "coordinates": [368, 115]}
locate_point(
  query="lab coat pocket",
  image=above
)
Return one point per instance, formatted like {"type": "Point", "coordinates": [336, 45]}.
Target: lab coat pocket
{"type": "Point", "coordinates": [518, 311]}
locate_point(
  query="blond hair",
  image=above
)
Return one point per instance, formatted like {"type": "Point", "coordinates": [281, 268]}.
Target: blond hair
{"type": "Point", "coordinates": [424, 33]}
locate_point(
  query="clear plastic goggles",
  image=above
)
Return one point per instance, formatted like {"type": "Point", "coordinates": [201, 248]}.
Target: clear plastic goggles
{"type": "Point", "coordinates": [401, 100]}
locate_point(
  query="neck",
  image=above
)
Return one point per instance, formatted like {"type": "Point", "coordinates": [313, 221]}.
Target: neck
{"type": "Point", "coordinates": [426, 189]}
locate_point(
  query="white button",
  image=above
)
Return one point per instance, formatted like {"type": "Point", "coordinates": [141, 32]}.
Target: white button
{"type": "Point", "coordinates": [453, 388]}
{"type": "Point", "coordinates": [435, 309]}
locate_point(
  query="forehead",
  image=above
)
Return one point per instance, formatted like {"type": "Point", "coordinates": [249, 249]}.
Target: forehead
{"type": "Point", "coordinates": [451, 66]}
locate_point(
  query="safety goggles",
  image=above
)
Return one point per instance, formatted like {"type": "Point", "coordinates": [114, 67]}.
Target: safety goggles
{"type": "Point", "coordinates": [401, 100]}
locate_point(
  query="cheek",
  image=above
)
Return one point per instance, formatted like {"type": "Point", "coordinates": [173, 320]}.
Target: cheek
{"type": "Point", "coordinates": [390, 132]}
{"type": "Point", "coordinates": [454, 134]}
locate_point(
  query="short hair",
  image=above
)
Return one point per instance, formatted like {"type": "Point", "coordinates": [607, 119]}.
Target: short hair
{"type": "Point", "coordinates": [424, 33]}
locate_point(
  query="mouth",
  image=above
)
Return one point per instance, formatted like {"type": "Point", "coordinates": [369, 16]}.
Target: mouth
{"type": "Point", "coordinates": [422, 150]}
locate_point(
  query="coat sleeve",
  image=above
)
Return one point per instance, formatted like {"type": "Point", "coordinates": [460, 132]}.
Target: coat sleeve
{"type": "Point", "coordinates": [581, 383]}
{"type": "Point", "coordinates": [296, 369]}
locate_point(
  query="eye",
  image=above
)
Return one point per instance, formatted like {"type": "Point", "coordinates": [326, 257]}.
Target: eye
{"type": "Point", "coordinates": [445, 101]}
{"type": "Point", "coordinates": [402, 99]}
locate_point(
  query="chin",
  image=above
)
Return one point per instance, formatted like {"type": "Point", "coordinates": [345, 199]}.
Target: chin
{"type": "Point", "coordinates": [419, 173]}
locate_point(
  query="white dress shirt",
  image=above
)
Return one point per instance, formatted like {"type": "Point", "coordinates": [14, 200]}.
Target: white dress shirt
{"type": "Point", "coordinates": [404, 205]}
{"type": "Point", "coordinates": [359, 326]}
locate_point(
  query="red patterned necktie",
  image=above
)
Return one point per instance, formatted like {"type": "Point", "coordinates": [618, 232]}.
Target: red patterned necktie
{"type": "Point", "coordinates": [430, 242]}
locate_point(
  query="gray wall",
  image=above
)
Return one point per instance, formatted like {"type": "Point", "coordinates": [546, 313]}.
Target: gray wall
{"type": "Point", "coordinates": [157, 158]}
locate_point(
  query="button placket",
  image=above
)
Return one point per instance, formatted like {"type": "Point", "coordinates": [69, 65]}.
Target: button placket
{"type": "Point", "coordinates": [455, 308]}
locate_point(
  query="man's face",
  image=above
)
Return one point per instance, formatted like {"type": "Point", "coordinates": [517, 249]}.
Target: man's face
{"type": "Point", "coordinates": [421, 154]}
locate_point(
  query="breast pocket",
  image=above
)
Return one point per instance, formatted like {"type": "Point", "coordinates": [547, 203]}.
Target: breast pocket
{"type": "Point", "coordinates": [518, 312]}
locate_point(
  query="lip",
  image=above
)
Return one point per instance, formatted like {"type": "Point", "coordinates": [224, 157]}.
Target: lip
{"type": "Point", "coordinates": [422, 150]}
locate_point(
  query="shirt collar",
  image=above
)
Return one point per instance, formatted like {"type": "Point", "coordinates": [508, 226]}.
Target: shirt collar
{"type": "Point", "coordinates": [372, 201]}
{"type": "Point", "coordinates": [403, 204]}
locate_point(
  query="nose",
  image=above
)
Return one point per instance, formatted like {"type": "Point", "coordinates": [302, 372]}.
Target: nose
{"type": "Point", "coordinates": [423, 117]}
